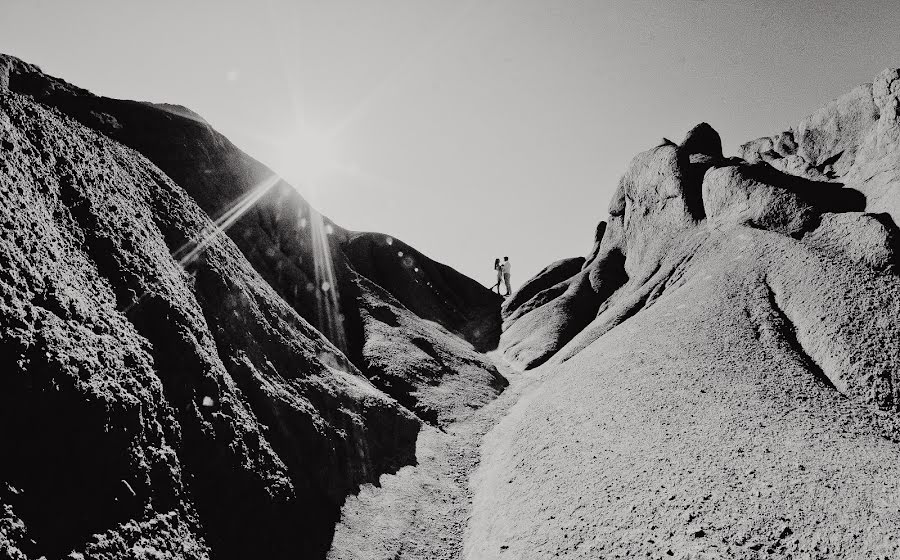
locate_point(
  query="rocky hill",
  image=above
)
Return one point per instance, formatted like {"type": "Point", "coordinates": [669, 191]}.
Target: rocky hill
{"type": "Point", "coordinates": [194, 362]}
{"type": "Point", "coordinates": [725, 364]}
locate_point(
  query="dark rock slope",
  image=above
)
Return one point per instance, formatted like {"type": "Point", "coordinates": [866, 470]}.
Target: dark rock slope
{"type": "Point", "coordinates": [281, 235]}
{"type": "Point", "coordinates": [170, 391]}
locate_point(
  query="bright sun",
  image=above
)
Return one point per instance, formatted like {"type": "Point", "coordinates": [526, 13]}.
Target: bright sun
{"type": "Point", "coordinates": [308, 157]}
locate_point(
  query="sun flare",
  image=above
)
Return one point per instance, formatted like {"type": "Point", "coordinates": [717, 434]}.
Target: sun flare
{"type": "Point", "coordinates": [308, 157]}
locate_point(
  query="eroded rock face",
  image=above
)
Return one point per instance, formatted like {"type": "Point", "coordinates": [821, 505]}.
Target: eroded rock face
{"type": "Point", "coordinates": [744, 346]}
{"type": "Point", "coordinates": [549, 320]}
{"type": "Point", "coordinates": [852, 140]}
{"type": "Point", "coordinates": [762, 197]}
{"type": "Point", "coordinates": [168, 388]}
{"type": "Point", "coordinates": [281, 235]}
{"type": "Point", "coordinates": [147, 399]}
{"type": "Point", "coordinates": [870, 239]}
{"type": "Point", "coordinates": [829, 185]}
{"type": "Point", "coordinates": [550, 276]}
{"type": "Point", "coordinates": [438, 376]}
{"type": "Point", "coordinates": [429, 289]}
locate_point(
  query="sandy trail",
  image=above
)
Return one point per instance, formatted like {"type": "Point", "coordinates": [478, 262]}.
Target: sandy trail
{"type": "Point", "coordinates": [422, 511]}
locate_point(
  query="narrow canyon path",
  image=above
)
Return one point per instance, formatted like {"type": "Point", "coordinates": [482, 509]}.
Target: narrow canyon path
{"type": "Point", "coordinates": [422, 511]}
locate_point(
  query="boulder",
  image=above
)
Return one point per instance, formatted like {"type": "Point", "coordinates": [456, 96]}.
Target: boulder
{"type": "Point", "coordinates": [870, 239]}
{"type": "Point", "coordinates": [737, 195]}
{"type": "Point", "coordinates": [702, 139]}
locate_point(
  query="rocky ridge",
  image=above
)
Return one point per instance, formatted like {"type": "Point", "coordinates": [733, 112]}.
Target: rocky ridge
{"type": "Point", "coordinates": [170, 390]}
{"type": "Point", "coordinates": [725, 364]}
{"type": "Point", "coordinates": [833, 191]}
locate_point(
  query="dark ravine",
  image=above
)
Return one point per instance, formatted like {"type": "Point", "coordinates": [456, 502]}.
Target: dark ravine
{"type": "Point", "coordinates": [198, 410]}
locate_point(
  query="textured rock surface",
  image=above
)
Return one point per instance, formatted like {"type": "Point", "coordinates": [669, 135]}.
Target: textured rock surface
{"type": "Point", "coordinates": [280, 234]}
{"type": "Point", "coordinates": [435, 374]}
{"type": "Point", "coordinates": [560, 271]}
{"type": "Point", "coordinates": [549, 320]}
{"type": "Point", "coordinates": [852, 140]}
{"type": "Point", "coordinates": [818, 177]}
{"type": "Point", "coordinates": [145, 399]}
{"type": "Point", "coordinates": [762, 197]}
{"type": "Point", "coordinates": [736, 392]}
{"type": "Point", "coordinates": [427, 288]}
{"type": "Point", "coordinates": [870, 239]}
{"type": "Point", "coordinates": [702, 139]}
{"type": "Point", "coordinates": [703, 426]}
{"type": "Point", "coordinates": [166, 388]}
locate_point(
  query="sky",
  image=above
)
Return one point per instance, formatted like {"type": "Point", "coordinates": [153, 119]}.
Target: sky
{"type": "Point", "coordinates": [469, 129]}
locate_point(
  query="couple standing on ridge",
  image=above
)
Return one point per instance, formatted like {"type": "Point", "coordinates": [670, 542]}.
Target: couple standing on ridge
{"type": "Point", "coordinates": [503, 270]}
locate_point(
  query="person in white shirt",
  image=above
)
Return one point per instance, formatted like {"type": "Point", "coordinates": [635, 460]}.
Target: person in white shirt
{"type": "Point", "coordinates": [506, 267]}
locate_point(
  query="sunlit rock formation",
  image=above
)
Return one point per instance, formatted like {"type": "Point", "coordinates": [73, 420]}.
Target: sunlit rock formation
{"type": "Point", "coordinates": [831, 183]}
{"type": "Point", "coordinates": [723, 372]}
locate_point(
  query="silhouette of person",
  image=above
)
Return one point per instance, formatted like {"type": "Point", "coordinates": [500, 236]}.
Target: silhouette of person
{"type": "Point", "coordinates": [506, 267]}
{"type": "Point", "coordinates": [499, 268]}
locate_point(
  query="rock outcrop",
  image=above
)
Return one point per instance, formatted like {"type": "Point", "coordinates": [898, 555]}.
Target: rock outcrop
{"type": "Point", "coordinates": [852, 140]}
{"type": "Point", "coordinates": [280, 234]}
{"type": "Point", "coordinates": [735, 390]}
{"type": "Point", "coordinates": [168, 390]}
{"type": "Point", "coordinates": [833, 191]}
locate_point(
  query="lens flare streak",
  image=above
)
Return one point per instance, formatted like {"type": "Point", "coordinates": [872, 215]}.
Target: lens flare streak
{"type": "Point", "coordinates": [190, 250]}
{"type": "Point", "coordinates": [196, 245]}
{"type": "Point", "coordinates": [330, 319]}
